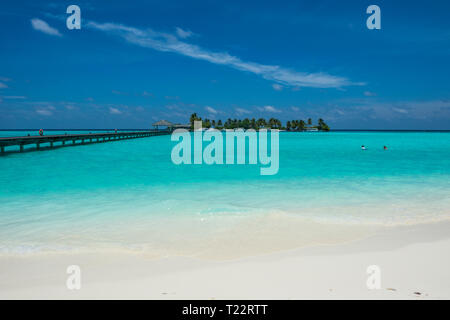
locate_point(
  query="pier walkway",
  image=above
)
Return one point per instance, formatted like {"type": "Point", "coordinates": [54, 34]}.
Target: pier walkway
{"type": "Point", "coordinates": [61, 140]}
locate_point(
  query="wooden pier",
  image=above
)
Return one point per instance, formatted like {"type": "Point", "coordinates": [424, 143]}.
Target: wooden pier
{"type": "Point", "coordinates": [61, 140]}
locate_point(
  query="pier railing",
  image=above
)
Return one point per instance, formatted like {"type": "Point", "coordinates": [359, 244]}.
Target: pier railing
{"type": "Point", "coordinates": [59, 140]}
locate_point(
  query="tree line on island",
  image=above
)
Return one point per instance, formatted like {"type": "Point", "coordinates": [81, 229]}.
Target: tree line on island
{"type": "Point", "coordinates": [261, 123]}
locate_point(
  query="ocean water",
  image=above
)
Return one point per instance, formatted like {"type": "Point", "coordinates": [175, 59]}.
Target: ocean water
{"type": "Point", "coordinates": [128, 195]}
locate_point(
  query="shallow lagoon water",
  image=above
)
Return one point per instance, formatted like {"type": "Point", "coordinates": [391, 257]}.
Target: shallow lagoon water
{"type": "Point", "coordinates": [128, 194]}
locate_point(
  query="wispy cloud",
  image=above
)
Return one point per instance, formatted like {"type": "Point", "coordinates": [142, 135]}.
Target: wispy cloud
{"type": "Point", "coordinates": [45, 111]}
{"type": "Point", "coordinates": [369, 94]}
{"type": "Point", "coordinates": [3, 86]}
{"type": "Point", "coordinates": [117, 92]}
{"type": "Point", "coordinates": [400, 110]}
{"type": "Point", "coordinates": [183, 34]}
{"type": "Point", "coordinates": [114, 111]}
{"type": "Point", "coordinates": [241, 111]}
{"type": "Point", "coordinates": [41, 25]}
{"type": "Point", "coordinates": [277, 87]}
{"type": "Point", "coordinates": [269, 109]}
{"type": "Point", "coordinates": [422, 112]}
{"type": "Point", "coordinates": [211, 110]}
{"type": "Point", "coordinates": [167, 42]}
{"type": "Point", "coordinates": [14, 97]}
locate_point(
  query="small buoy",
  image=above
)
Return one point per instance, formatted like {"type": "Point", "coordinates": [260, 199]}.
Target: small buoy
{"type": "Point", "coordinates": [41, 132]}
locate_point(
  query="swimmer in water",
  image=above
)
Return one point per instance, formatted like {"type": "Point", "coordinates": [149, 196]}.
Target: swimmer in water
{"type": "Point", "coordinates": [363, 147]}
{"type": "Point", "coordinates": [385, 148]}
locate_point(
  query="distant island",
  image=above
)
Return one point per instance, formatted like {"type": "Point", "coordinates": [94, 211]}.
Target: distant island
{"type": "Point", "coordinates": [261, 123]}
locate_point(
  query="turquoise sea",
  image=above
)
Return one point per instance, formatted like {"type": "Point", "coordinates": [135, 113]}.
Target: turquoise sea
{"type": "Point", "coordinates": [129, 195]}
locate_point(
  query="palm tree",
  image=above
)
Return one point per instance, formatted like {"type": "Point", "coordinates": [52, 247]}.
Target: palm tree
{"type": "Point", "coordinates": [301, 125]}
{"type": "Point", "coordinates": [274, 123]}
{"type": "Point", "coordinates": [322, 125]}
{"type": "Point", "coordinates": [288, 126]}
{"type": "Point", "coordinates": [207, 123]}
{"type": "Point", "coordinates": [293, 124]}
{"type": "Point", "coordinates": [246, 123]}
{"type": "Point", "coordinates": [309, 121]}
{"type": "Point", "coordinates": [261, 122]}
{"type": "Point", "coordinates": [229, 123]}
{"type": "Point", "coordinates": [193, 118]}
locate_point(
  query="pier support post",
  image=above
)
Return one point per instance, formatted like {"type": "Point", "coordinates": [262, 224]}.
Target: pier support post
{"type": "Point", "coordinates": [63, 142]}
{"type": "Point", "coordinates": [51, 144]}
{"type": "Point", "coordinates": [21, 148]}
{"type": "Point", "coordinates": [37, 146]}
{"type": "Point", "coordinates": [3, 149]}
{"type": "Point", "coordinates": [73, 141]}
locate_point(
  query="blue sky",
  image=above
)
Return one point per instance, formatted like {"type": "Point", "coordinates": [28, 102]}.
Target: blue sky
{"type": "Point", "coordinates": [134, 62]}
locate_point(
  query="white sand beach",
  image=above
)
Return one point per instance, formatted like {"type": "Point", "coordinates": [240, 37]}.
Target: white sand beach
{"type": "Point", "coordinates": [413, 260]}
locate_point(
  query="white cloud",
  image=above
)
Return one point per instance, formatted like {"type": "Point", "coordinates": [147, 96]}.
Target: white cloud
{"type": "Point", "coordinates": [14, 97]}
{"type": "Point", "coordinates": [241, 111]}
{"type": "Point", "coordinates": [424, 111]}
{"type": "Point", "coordinates": [277, 87]}
{"type": "Point", "coordinates": [269, 109]}
{"type": "Point", "coordinates": [119, 93]}
{"type": "Point", "coordinates": [210, 110]}
{"type": "Point", "coordinates": [41, 25]}
{"type": "Point", "coordinates": [44, 111]}
{"type": "Point", "coordinates": [400, 110]}
{"type": "Point", "coordinates": [114, 110]}
{"type": "Point", "coordinates": [369, 94]}
{"type": "Point", "coordinates": [166, 42]}
{"type": "Point", "coordinates": [296, 109]}
{"type": "Point", "coordinates": [2, 85]}
{"type": "Point", "coordinates": [183, 34]}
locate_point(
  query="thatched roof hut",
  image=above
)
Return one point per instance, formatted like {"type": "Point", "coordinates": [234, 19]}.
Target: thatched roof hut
{"type": "Point", "coordinates": [163, 123]}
